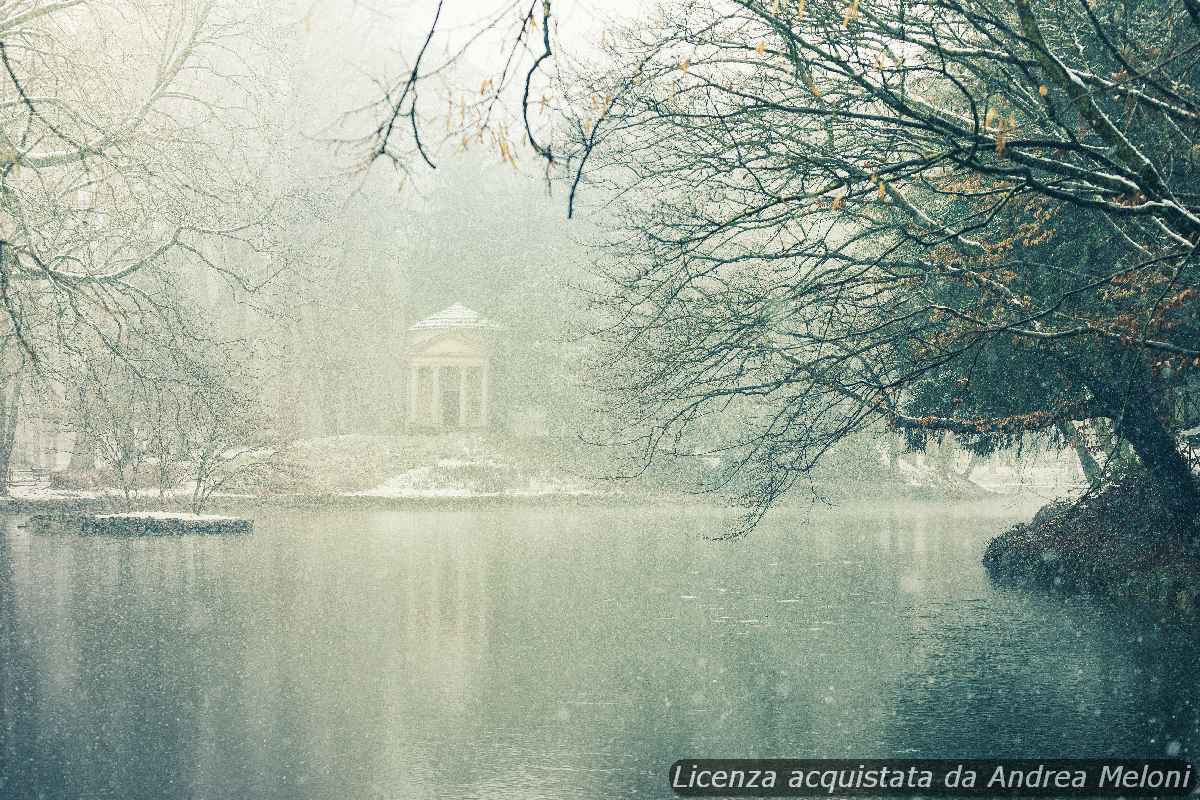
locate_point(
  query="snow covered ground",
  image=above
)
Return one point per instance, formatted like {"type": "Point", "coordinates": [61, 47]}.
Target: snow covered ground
{"type": "Point", "coordinates": [459, 478]}
{"type": "Point", "coordinates": [43, 491]}
{"type": "Point", "coordinates": [475, 466]}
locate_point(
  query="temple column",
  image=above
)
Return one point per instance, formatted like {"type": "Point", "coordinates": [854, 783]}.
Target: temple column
{"type": "Point", "coordinates": [413, 372]}
{"type": "Point", "coordinates": [462, 397]}
{"type": "Point", "coordinates": [483, 395]}
{"type": "Point", "coordinates": [435, 413]}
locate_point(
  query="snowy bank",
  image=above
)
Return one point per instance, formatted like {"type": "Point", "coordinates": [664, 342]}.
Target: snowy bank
{"type": "Point", "coordinates": [458, 478]}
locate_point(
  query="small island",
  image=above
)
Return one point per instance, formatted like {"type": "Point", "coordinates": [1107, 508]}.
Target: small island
{"type": "Point", "coordinates": [161, 523]}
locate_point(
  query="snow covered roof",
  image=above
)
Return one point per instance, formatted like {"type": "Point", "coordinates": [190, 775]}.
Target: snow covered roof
{"type": "Point", "coordinates": [456, 316]}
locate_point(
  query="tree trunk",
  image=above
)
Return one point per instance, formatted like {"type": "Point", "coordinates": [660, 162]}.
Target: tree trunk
{"type": "Point", "coordinates": [10, 403]}
{"type": "Point", "coordinates": [1091, 468]}
{"type": "Point", "coordinates": [83, 456]}
{"type": "Point", "coordinates": [5, 459]}
{"type": "Point", "coordinates": [1161, 456]}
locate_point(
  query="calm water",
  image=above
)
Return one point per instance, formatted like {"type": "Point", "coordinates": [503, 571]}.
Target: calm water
{"type": "Point", "coordinates": [553, 653]}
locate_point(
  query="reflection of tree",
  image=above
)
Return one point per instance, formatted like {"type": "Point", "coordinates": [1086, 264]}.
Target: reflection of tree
{"type": "Point", "coordinates": [117, 695]}
{"type": "Point", "coordinates": [1044, 680]}
{"type": "Point", "coordinates": [1167, 657]}
{"type": "Point", "coordinates": [137, 689]}
{"type": "Point", "coordinates": [30, 761]}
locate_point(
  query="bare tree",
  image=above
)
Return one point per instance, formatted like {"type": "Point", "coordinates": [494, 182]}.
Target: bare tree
{"type": "Point", "coordinates": [121, 424]}
{"type": "Point", "coordinates": [12, 391]}
{"type": "Point", "coordinates": [170, 413]}
{"type": "Point", "coordinates": [228, 446]}
{"type": "Point", "coordinates": [124, 139]}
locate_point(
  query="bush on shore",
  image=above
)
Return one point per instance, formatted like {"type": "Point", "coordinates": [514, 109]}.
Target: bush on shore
{"type": "Point", "coordinates": [1120, 543]}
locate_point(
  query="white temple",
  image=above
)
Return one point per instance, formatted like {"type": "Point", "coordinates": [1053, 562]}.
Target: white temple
{"type": "Point", "coordinates": [449, 356]}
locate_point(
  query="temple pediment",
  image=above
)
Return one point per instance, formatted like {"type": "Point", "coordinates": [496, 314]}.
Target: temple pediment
{"type": "Point", "coordinates": [450, 345]}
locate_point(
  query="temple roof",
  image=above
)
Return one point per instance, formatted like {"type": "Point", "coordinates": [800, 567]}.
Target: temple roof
{"type": "Point", "coordinates": [456, 316]}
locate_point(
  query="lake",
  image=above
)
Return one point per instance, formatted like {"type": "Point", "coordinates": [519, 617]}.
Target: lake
{"type": "Point", "coordinates": [559, 653]}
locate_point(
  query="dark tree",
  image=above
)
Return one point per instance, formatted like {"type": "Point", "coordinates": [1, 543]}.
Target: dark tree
{"type": "Point", "coordinates": [967, 218]}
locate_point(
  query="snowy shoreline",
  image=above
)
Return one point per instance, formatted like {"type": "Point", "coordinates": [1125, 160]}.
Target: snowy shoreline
{"type": "Point", "coordinates": [468, 470]}
{"type": "Point", "coordinates": [460, 500]}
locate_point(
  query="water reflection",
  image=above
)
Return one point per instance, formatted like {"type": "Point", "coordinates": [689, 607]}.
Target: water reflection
{"type": "Point", "coordinates": [548, 653]}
